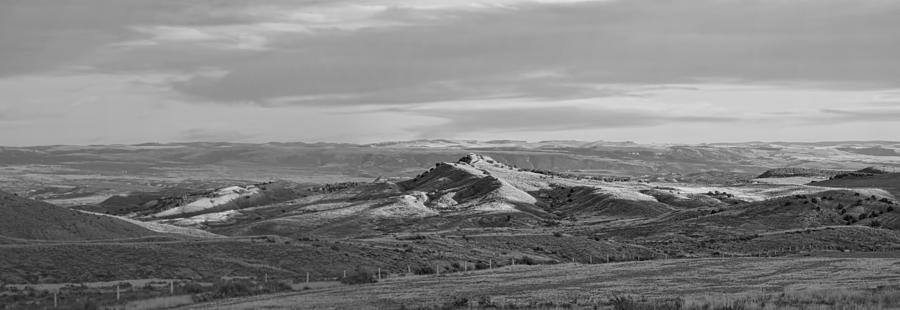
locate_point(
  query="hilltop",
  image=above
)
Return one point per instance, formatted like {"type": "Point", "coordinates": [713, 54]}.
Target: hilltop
{"type": "Point", "coordinates": [22, 218]}
{"type": "Point", "coordinates": [471, 212]}
{"type": "Point", "coordinates": [477, 192]}
{"type": "Point", "coordinates": [887, 181]}
{"type": "Point", "coordinates": [824, 173]}
{"type": "Point", "coordinates": [799, 172]}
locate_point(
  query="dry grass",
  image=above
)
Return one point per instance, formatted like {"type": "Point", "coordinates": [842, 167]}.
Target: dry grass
{"type": "Point", "coordinates": [158, 303]}
{"type": "Point", "coordinates": [810, 297]}
{"type": "Point", "coordinates": [716, 282]}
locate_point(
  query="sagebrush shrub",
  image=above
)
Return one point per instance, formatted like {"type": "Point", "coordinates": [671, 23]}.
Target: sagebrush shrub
{"type": "Point", "coordinates": [359, 276]}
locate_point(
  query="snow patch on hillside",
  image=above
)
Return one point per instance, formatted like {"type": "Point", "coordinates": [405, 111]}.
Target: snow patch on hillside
{"type": "Point", "coordinates": [513, 194]}
{"type": "Point", "coordinates": [760, 192]}
{"type": "Point", "coordinates": [412, 205]}
{"type": "Point", "coordinates": [162, 227]}
{"type": "Point", "coordinates": [216, 217]}
{"type": "Point", "coordinates": [627, 193]}
{"type": "Point", "coordinates": [217, 198]}
{"type": "Point", "coordinates": [495, 206]}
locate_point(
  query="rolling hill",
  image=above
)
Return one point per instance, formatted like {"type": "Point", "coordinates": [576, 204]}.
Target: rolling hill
{"type": "Point", "coordinates": [479, 192]}
{"type": "Point", "coordinates": [29, 219]}
{"type": "Point", "coordinates": [887, 181]}
{"type": "Point", "coordinates": [478, 212]}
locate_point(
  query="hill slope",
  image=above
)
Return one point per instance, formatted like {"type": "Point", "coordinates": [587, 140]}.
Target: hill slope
{"type": "Point", "coordinates": [798, 172]}
{"type": "Point", "coordinates": [29, 219]}
{"type": "Point", "coordinates": [478, 191]}
{"type": "Point", "coordinates": [887, 181]}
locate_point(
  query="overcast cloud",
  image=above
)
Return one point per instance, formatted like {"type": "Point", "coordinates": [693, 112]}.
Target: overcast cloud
{"type": "Point", "coordinates": [132, 71]}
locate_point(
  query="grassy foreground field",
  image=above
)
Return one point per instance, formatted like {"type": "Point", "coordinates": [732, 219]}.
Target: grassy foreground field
{"type": "Point", "coordinates": [832, 282]}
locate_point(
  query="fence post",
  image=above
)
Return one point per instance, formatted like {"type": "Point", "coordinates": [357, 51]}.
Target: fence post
{"type": "Point", "coordinates": [307, 276]}
{"type": "Point", "coordinates": [408, 270]}
{"type": "Point", "coordinates": [345, 273]}
{"type": "Point", "coordinates": [171, 287]}
{"type": "Point", "coordinates": [55, 298]}
{"type": "Point", "coordinates": [379, 273]}
{"type": "Point", "coordinates": [118, 293]}
{"type": "Point", "coordinates": [490, 264]}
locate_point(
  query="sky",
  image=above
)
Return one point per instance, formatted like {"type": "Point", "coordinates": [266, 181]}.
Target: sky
{"type": "Point", "coordinates": [650, 71]}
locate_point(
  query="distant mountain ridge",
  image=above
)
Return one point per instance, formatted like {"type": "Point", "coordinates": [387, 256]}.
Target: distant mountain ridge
{"type": "Point", "coordinates": [329, 162]}
{"type": "Point", "coordinates": [859, 144]}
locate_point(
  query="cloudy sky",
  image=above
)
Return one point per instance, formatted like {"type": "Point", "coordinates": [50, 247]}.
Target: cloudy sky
{"type": "Point", "coordinates": [132, 71]}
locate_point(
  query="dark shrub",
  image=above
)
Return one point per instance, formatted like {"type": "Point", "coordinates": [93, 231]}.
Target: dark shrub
{"type": "Point", "coordinates": [193, 288]}
{"type": "Point", "coordinates": [457, 302]}
{"type": "Point", "coordinates": [482, 265]}
{"type": "Point", "coordinates": [232, 289]}
{"type": "Point", "coordinates": [411, 237]}
{"type": "Point", "coordinates": [275, 287]}
{"type": "Point", "coordinates": [88, 305]}
{"type": "Point", "coordinates": [423, 270]}
{"type": "Point", "coordinates": [526, 260]}
{"type": "Point", "coordinates": [359, 276]}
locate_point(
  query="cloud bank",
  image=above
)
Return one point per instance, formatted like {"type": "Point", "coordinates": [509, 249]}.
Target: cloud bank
{"type": "Point", "coordinates": [631, 70]}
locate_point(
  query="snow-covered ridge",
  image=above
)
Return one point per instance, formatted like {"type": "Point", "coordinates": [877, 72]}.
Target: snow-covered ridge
{"type": "Point", "coordinates": [202, 219]}
{"type": "Point", "coordinates": [215, 199]}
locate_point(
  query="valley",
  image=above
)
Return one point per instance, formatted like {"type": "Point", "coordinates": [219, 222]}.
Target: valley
{"type": "Point", "coordinates": [593, 220]}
